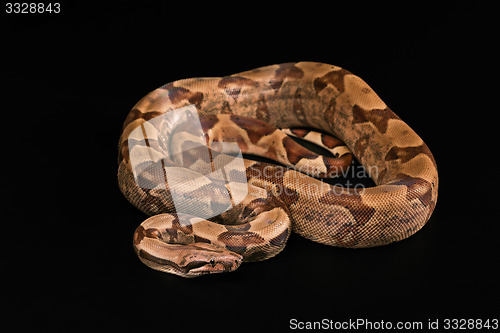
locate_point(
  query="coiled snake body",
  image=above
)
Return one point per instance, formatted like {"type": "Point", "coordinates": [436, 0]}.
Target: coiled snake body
{"type": "Point", "coordinates": [246, 108]}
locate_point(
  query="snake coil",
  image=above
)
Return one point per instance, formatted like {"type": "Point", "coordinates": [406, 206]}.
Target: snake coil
{"type": "Point", "coordinates": [246, 110]}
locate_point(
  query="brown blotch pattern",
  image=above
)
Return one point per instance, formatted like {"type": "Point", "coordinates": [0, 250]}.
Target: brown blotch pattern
{"type": "Point", "coordinates": [298, 109]}
{"type": "Point", "coordinates": [418, 188]}
{"type": "Point", "coordinates": [296, 152]}
{"type": "Point", "coordinates": [407, 153]}
{"type": "Point", "coordinates": [199, 239]}
{"type": "Point", "coordinates": [285, 71]}
{"type": "Point", "coordinates": [135, 114]}
{"type": "Point", "coordinates": [232, 85]}
{"type": "Point", "coordinates": [179, 94]}
{"type": "Point", "coordinates": [257, 206]}
{"type": "Point", "coordinates": [239, 241]}
{"type": "Point", "coordinates": [334, 77]}
{"type": "Point", "coordinates": [256, 129]}
{"type": "Point", "coordinates": [155, 201]}
{"type": "Point", "coordinates": [208, 122]}
{"type": "Point", "coordinates": [378, 117]}
{"type": "Point", "coordinates": [361, 145]}
{"type": "Point", "coordinates": [330, 111]}
{"type": "Point", "coordinates": [225, 109]}
{"type": "Point", "coordinates": [141, 233]}
{"type": "Point", "coordinates": [335, 166]}
{"type": "Point", "coordinates": [331, 141]}
{"type": "Point", "coordinates": [353, 202]}
{"type": "Point", "coordinates": [262, 112]}
{"type": "Point", "coordinates": [299, 132]}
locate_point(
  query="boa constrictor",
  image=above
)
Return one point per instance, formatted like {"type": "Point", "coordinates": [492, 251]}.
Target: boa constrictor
{"type": "Point", "coordinates": [246, 109]}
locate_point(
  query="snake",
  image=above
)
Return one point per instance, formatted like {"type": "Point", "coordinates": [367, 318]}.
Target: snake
{"type": "Point", "coordinates": [187, 138]}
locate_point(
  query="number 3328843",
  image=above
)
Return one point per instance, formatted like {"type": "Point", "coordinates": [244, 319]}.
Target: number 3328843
{"type": "Point", "coordinates": [32, 8]}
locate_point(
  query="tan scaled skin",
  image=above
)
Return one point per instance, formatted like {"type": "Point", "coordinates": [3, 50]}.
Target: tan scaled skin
{"type": "Point", "coordinates": [304, 94]}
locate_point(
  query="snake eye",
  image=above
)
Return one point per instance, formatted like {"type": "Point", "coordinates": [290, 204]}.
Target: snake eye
{"type": "Point", "coordinates": [212, 262]}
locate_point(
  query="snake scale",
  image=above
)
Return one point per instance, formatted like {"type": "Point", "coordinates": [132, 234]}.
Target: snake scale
{"type": "Point", "coordinates": [248, 109]}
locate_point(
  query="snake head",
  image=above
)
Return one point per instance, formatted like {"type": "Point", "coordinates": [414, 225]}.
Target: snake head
{"type": "Point", "coordinates": [204, 259]}
{"type": "Point", "coordinates": [187, 260]}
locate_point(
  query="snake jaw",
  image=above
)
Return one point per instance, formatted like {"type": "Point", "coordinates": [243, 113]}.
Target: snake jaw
{"type": "Point", "coordinates": [186, 260]}
{"type": "Point", "coordinates": [221, 262]}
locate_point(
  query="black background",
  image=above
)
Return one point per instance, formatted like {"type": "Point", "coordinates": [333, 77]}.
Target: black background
{"type": "Point", "coordinates": [71, 78]}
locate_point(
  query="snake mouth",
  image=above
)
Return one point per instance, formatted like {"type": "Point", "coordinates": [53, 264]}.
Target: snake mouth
{"type": "Point", "coordinates": [197, 268]}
